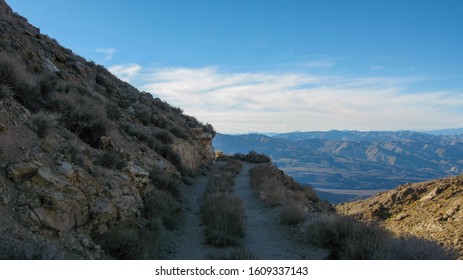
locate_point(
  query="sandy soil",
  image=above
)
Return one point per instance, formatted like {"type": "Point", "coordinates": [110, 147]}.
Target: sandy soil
{"type": "Point", "coordinates": [265, 236]}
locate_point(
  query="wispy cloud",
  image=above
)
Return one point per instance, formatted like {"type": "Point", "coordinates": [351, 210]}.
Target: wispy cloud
{"type": "Point", "coordinates": [261, 101]}
{"type": "Point", "coordinates": [125, 72]}
{"type": "Point", "coordinates": [320, 64]}
{"type": "Point", "coordinates": [108, 52]}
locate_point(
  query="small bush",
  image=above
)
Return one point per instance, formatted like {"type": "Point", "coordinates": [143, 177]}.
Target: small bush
{"type": "Point", "coordinates": [161, 204]}
{"type": "Point", "coordinates": [5, 92]}
{"type": "Point", "coordinates": [111, 160]}
{"type": "Point", "coordinates": [219, 183]}
{"type": "Point", "coordinates": [13, 74]}
{"type": "Point", "coordinates": [223, 216]}
{"type": "Point", "coordinates": [164, 137]}
{"type": "Point", "coordinates": [236, 254]}
{"type": "Point", "coordinates": [159, 121]}
{"type": "Point", "coordinates": [113, 112]}
{"type": "Point", "coordinates": [292, 214]}
{"type": "Point", "coordinates": [348, 238]}
{"type": "Point", "coordinates": [180, 133]}
{"type": "Point", "coordinates": [13, 249]}
{"type": "Point", "coordinates": [165, 182]}
{"type": "Point", "coordinates": [254, 157]}
{"type": "Point", "coordinates": [234, 166]}
{"type": "Point", "coordinates": [130, 242]}
{"type": "Point", "coordinates": [143, 113]}
{"type": "Point", "coordinates": [412, 248]}
{"type": "Point", "coordinates": [83, 116]}
{"type": "Point", "coordinates": [44, 122]}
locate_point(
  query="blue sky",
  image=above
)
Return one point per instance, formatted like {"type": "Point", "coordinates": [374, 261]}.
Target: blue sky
{"type": "Point", "coordinates": [276, 65]}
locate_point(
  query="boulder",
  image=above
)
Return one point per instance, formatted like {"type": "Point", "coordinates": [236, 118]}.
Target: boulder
{"type": "Point", "coordinates": [21, 171]}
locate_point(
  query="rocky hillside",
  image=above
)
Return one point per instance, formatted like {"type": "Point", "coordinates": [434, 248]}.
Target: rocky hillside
{"type": "Point", "coordinates": [431, 210]}
{"type": "Point", "coordinates": [81, 152]}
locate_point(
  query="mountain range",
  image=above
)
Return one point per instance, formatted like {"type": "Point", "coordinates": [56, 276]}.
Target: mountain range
{"type": "Point", "coordinates": [344, 165]}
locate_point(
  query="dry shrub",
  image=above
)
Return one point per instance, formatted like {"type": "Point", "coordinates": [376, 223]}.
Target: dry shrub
{"type": "Point", "coordinates": [346, 237]}
{"type": "Point", "coordinates": [223, 216]}
{"type": "Point", "coordinates": [276, 188]}
{"type": "Point", "coordinates": [351, 239]}
{"type": "Point", "coordinates": [162, 204]}
{"type": "Point", "coordinates": [111, 160]}
{"type": "Point", "coordinates": [83, 115]}
{"type": "Point", "coordinates": [292, 214]}
{"type": "Point", "coordinates": [44, 123]}
{"type": "Point", "coordinates": [272, 194]}
{"type": "Point", "coordinates": [413, 248]}
{"type": "Point", "coordinates": [14, 74]}
{"type": "Point", "coordinates": [219, 183]}
{"type": "Point", "coordinates": [166, 182]}
{"type": "Point", "coordinates": [13, 249]}
{"type": "Point", "coordinates": [234, 166]}
{"type": "Point", "coordinates": [5, 92]}
{"type": "Point", "coordinates": [236, 254]}
{"type": "Point", "coordinates": [130, 242]}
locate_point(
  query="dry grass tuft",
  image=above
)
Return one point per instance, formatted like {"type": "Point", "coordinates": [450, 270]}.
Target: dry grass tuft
{"type": "Point", "coordinates": [293, 214]}
{"type": "Point", "coordinates": [351, 239]}
{"type": "Point", "coordinates": [223, 216]}
{"type": "Point", "coordinates": [236, 254]}
{"type": "Point", "coordinates": [278, 189]}
{"type": "Point", "coordinates": [223, 213]}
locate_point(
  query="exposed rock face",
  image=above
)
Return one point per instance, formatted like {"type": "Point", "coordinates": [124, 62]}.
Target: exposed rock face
{"type": "Point", "coordinates": [431, 210]}
{"type": "Point", "coordinates": [77, 145]}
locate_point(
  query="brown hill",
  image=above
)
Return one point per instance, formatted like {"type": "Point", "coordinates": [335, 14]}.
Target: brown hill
{"type": "Point", "coordinates": [432, 210]}
{"type": "Point", "coordinates": [83, 154]}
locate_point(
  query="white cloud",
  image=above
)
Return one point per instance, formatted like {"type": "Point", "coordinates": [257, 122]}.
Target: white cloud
{"type": "Point", "coordinates": [260, 101]}
{"type": "Point", "coordinates": [321, 64]}
{"type": "Point", "coordinates": [108, 52]}
{"type": "Point", "coordinates": [125, 72]}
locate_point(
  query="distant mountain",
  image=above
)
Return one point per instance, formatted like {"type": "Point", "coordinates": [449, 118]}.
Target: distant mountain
{"type": "Point", "coordinates": [352, 135]}
{"type": "Point", "coordinates": [450, 131]}
{"type": "Point", "coordinates": [351, 162]}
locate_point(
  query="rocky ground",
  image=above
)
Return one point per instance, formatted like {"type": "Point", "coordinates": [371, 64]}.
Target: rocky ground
{"type": "Point", "coordinates": [431, 210]}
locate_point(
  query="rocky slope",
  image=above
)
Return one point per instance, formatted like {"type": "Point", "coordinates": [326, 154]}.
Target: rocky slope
{"type": "Point", "coordinates": [80, 150]}
{"type": "Point", "coordinates": [431, 210]}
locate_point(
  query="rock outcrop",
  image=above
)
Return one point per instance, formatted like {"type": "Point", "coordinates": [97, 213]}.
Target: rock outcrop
{"type": "Point", "coordinates": [431, 210]}
{"type": "Point", "coordinates": [80, 150]}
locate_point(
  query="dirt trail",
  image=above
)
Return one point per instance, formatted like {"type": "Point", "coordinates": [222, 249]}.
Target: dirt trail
{"type": "Point", "coordinates": [265, 236]}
